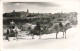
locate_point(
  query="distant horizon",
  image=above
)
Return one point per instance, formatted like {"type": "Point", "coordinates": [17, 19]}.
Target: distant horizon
{"type": "Point", "coordinates": [37, 12]}
{"type": "Point", "coordinates": [41, 7]}
{"type": "Point", "coordinates": [30, 12]}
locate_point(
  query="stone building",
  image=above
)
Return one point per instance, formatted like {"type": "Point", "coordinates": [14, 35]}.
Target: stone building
{"type": "Point", "coordinates": [24, 14]}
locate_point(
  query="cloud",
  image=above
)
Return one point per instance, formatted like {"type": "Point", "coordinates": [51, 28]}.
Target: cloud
{"type": "Point", "coordinates": [32, 6]}
{"type": "Point", "coordinates": [42, 4]}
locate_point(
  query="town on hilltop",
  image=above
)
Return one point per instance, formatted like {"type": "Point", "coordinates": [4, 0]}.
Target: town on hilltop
{"type": "Point", "coordinates": [32, 17]}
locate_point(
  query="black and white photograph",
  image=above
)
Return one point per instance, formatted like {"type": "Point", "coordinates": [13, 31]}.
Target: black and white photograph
{"type": "Point", "coordinates": [41, 25]}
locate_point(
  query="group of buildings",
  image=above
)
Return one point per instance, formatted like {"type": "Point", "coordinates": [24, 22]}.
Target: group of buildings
{"type": "Point", "coordinates": [57, 17]}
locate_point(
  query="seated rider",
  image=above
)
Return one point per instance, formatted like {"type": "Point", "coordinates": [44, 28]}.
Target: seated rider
{"type": "Point", "coordinates": [60, 24]}
{"type": "Point", "coordinates": [12, 24]}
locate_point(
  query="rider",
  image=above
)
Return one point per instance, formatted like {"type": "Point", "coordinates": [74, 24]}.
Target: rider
{"type": "Point", "coordinates": [60, 24]}
{"type": "Point", "coordinates": [12, 24]}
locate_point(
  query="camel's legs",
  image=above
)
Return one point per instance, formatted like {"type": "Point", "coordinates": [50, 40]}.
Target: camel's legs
{"type": "Point", "coordinates": [56, 35]}
{"type": "Point", "coordinates": [65, 34]}
{"type": "Point", "coordinates": [17, 37]}
{"type": "Point", "coordinates": [7, 37]}
{"type": "Point", "coordinates": [14, 37]}
{"type": "Point", "coordinates": [32, 36]}
{"type": "Point", "coordinates": [39, 35]}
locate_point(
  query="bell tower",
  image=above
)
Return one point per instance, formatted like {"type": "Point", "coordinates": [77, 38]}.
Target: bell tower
{"type": "Point", "coordinates": [27, 11]}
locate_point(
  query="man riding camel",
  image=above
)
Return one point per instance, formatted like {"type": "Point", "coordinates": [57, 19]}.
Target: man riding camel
{"type": "Point", "coordinates": [12, 24]}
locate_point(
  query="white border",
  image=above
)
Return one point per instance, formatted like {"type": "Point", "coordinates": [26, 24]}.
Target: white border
{"type": "Point", "coordinates": [1, 19]}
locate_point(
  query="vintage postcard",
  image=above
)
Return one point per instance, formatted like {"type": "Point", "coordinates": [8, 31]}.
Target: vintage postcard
{"type": "Point", "coordinates": [40, 24]}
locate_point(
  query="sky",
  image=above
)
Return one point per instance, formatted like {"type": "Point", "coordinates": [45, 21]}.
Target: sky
{"type": "Point", "coordinates": [42, 7]}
